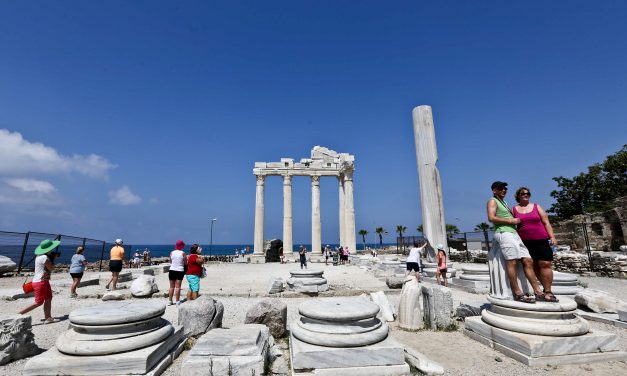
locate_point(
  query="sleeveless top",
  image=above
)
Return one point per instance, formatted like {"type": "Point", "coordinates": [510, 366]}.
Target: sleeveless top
{"type": "Point", "coordinates": [177, 261]}
{"type": "Point", "coordinates": [442, 261]}
{"type": "Point", "coordinates": [41, 273]}
{"type": "Point", "coordinates": [531, 226]}
{"type": "Point", "coordinates": [192, 267]}
{"type": "Point", "coordinates": [502, 211]}
{"type": "Point", "coordinates": [117, 253]}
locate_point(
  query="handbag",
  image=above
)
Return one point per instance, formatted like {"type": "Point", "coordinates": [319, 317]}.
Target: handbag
{"type": "Point", "coordinates": [27, 286]}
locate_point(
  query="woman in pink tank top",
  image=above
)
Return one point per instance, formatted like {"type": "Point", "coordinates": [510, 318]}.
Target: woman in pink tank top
{"type": "Point", "coordinates": [537, 234]}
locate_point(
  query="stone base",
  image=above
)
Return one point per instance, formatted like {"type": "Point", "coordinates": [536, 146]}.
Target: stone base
{"type": "Point", "coordinates": [606, 318]}
{"type": "Point", "coordinates": [475, 287]}
{"type": "Point", "coordinates": [13, 294]}
{"type": "Point", "coordinates": [398, 370]}
{"type": "Point", "coordinates": [306, 357]}
{"type": "Point", "coordinates": [255, 259]}
{"type": "Point", "coordinates": [534, 350]}
{"type": "Point", "coordinates": [150, 360]}
{"type": "Point", "coordinates": [88, 281]}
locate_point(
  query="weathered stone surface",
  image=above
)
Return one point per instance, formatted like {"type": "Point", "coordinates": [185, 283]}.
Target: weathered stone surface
{"type": "Point", "coordinates": [276, 285]}
{"type": "Point", "coordinates": [395, 282]}
{"type": "Point", "coordinates": [124, 276]}
{"type": "Point", "coordinates": [144, 286]}
{"type": "Point", "coordinates": [141, 361]}
{"type": "Point", "coordinates": [622, 315]}
{"type": "Point", "coordinates": [438, 306]}
{"type": "Point", "coordinates": [307, 281]}
{"type": "Point", "coordinates": [279, 367]}
{"type": "Point", "coordinates": [6, 265]}
{"type": "Point", "coordinates": [242, 349]}
{"type": "Point", "coordinates": [115, 295]}
{"type": "Point", "coordinates": [271, 313]}
{"type": "Point", "coordinates": [467, 310]}
{"type": "Point", "coordinates": [386, 311]}
{"type": "Point", "coordinates": [599, 301]}
{"type": "Point", "coordinates": [410, 315]}
{"type": "Point", "coordinates": [199, 315]}
{"type": "Point", "coordinates": [111, 313]}
{"type": "Point", "coordinates": [422, 363]}
{"type": "Point", "coordinates": [535, 350]}
{"type": "Point", "coordinates": [16, 338]}
{"type": "Point", "coordinates": [12, 294]}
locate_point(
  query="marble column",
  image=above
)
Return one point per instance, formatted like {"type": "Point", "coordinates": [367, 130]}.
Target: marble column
{"type": "Point", "coordinates": [349, 213]}
{"type": "Point", "coordinates": [316, 233]}
{"type": "Point", "coordinates": [430, 184]}
{"type": "Point", "coordinates": [259, 208]}
{"type": "Point", "coordinates": [342, 211]}
{"type": "Point", "coordinates": [287, 216]}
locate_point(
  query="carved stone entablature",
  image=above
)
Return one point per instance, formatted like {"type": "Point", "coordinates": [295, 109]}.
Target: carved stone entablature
{"type": "Point", "coordinates": [323, 162]}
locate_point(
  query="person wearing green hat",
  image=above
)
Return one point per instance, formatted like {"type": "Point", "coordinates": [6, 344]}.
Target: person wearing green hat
{"type": "Point", "coordinates": [44, 264]}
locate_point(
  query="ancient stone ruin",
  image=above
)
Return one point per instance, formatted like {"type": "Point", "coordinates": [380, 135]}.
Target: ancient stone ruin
{"type": "Point", "coordinates": [308, 281]}
{"type": "Point", "coordinates": [120, 337]}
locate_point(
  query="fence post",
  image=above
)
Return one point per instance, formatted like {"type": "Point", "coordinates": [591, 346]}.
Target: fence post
{"type": "Point", "coordinates": [102, 255]}
{"type": "Point", "coordinates": [19, 268]}
{"type": "Point", "coordinates": [587, 241]}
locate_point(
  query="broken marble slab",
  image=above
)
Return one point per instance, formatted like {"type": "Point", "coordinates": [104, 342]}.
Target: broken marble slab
{"type": "Point", "coordinates": [14, 294]}
{"type": "Point", "coordinates": [242, 350]}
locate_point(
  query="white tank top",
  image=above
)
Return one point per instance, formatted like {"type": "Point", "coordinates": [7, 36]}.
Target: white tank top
{"type": "Point", "coordinates": [177, 262]}
{"type": "Point", "coordinates": [41, 273]}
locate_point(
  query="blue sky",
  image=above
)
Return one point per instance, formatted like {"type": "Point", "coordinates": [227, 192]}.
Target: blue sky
{"type": "Point", "coordinates": [143, 120]}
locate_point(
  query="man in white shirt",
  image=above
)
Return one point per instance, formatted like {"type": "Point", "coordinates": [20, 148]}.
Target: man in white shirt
{"type": "Point", "coordinates": [413, 260]}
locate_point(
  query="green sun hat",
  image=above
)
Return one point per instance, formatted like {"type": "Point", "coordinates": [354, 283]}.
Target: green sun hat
{"type": "Point", "coordinates": [46, 246]}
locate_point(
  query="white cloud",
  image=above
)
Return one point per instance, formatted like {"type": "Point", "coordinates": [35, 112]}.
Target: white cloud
{"type": "Point", "coordinates": [31, 185]}
{"type": "Point", "coordinates": [20, 156]}
{"type": "Point", "coordinates": [124, 197]}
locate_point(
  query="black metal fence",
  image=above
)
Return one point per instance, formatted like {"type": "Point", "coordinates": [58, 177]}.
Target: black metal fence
{"type": "Point", "coordinates": [462, 241]}
{"type": "Point", "coordinates": [20, 248]}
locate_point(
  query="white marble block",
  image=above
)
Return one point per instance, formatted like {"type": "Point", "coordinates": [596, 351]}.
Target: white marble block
{"type": "Point", "coordinates": [438, 306]}
{"type": "Point", "coordinates": [410, 315]}
{"type": "Point", "coordinates": [599, 301]}
{"type": "Point", "coordinates": [16, 338]}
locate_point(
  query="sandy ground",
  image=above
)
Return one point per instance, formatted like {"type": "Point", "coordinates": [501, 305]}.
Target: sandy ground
{"type": "Point", "coordinates": [240, 286]}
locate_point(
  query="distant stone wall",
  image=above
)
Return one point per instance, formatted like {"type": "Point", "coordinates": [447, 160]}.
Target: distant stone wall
{"type": "Point", "coordinates": [477, 256]}
{"type": "Point", "coordinates": [607, 231]}
{"type": "Point", "coordinates": [608, 264]}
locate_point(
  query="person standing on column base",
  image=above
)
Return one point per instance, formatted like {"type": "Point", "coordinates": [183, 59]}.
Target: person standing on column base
{"type": "Point", "coordinates": [302, 252]}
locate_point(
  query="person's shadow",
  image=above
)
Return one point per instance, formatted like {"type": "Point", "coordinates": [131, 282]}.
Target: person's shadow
{"type": "Point", "coordinates": [56, 320]}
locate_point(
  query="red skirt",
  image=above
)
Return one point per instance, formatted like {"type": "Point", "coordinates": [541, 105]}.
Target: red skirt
{"type": "Point", "coordinates": [43, 291]}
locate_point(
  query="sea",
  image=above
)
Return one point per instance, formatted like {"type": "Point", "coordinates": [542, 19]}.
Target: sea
{"type": "Point", "coordinates": [94, 252]}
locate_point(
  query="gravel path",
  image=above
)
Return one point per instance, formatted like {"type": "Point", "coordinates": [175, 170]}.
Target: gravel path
{"type": "Point", "coordinates": [239, 287]}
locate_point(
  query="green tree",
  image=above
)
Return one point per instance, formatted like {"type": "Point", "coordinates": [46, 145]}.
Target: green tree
{"type": "Point", "coordinates": [363, 234]}
{"type": "Point", "coordinates": [420, 229]}
{"type": "Point", "coordinates": [400, 229]}
{"type": "Point", "coordinates": [484, 227]}
{"type": "Point", "coordinates": [380, 231]}
{"type": "Point", "coordinates": [591, 191]}
{"type": "Point", "coordinates": [451, 229]}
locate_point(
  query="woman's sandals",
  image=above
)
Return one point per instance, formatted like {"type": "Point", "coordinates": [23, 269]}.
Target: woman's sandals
{"type": "Point", "coordinates": [548, 296]}
{"type": "Point", "coordinates": [525, 298]}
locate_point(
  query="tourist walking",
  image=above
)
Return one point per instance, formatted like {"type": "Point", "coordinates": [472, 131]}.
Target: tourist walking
{"type": "Point", "coordinates": [536, 232]}
{"type": "Point", "coordinates": [509, 244]}
{"type": "Point", "coordinates": [147, 258]}
{"type": "Point", "coordinates": [44, 264]}
{"type": "Point", "coordinates": [194, 271]}
{"type": "Point", "coordinates": [346, 252]}
{"type": "Point", "coordinates": [302, 253]}
{"type": "Point", "coordinates": [327, 251]}
{"type": "Point", "coordinates": [116, 259]}
{"type": "Point", "coordinates": [441, 269]}
{"type": "Point", "coordinates": [413, 260]}
{"type": "Point", "coordinates": [137, 259]}
{"type": "Point", "coordinates": [77, 267]}
{"type": "Point", "coordinates": [178, 261]}
{"type": "Point", "coordinates": [281, 255]}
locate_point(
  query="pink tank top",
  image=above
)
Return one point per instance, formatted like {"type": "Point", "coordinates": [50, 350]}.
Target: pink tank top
{"type": "Point", "coordinates": [531, 226]}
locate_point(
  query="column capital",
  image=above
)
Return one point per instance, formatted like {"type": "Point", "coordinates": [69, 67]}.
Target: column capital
{"type": "Point", "coordinates": [348, 175]}
{"type": "Point", "coordinates": [315, 180]}
{"type": "Point", "coordinates": [287, 179]}
{"type": "Point", "coordinates": [260, 179]}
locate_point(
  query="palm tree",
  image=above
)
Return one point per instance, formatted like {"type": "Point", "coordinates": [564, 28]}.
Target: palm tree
{"type": "Point", "coordinates": [380, 231]}
{"type": "Point", "coordinates": [484, 227]}
{"type": "Point", "coordinates": [451, 229]}
{"type": "Point", "coordinates": [400, 229]}
{"type": "Point", "coordinates": [420, 229]}
{"type": "Point", "coordinates": [363, 234]}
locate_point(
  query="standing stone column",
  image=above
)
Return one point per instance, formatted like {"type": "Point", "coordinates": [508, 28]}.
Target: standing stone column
{"type": "Point", "coordinates": [316, 233]}
{"type": "Point", "coordinates": [259, 208]}
{"type": "Point", "coordinates": [349, 212]}
{"type": "Point", "coordinates": [287, 216]}
{"type": "Point", "coordinates": [342, 226]}
{"type": "Point", "coordinates": [430, 184]}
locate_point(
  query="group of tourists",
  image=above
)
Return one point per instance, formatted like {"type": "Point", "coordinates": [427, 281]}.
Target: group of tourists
{"type": "Point", "coordinates": [183, 266]}
{"type": "Point", "coordinates": [141, 258]}
{"type": "Point", "coordinates": [413, 262]}
{"type": "Point", "coordinates": [523, 234]}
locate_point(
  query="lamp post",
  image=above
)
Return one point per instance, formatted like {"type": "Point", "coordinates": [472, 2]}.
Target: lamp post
{"type": "Point", "coordinates": [211, 238]}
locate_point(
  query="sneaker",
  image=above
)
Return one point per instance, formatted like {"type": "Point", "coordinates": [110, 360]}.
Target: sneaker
{"type": "Point", "coordinates": [170, 303]}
